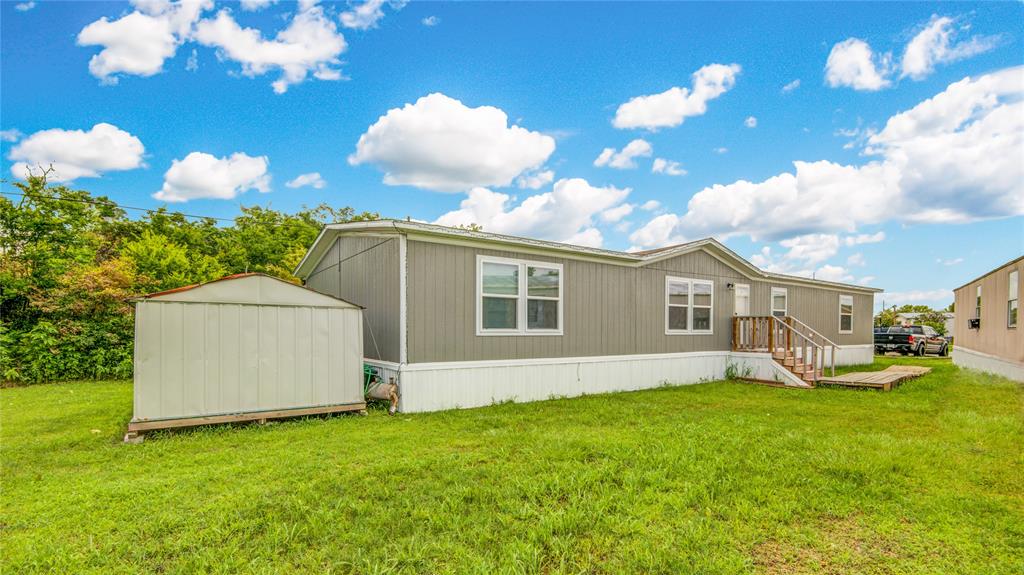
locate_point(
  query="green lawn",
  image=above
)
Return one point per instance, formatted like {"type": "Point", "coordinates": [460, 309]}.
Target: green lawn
{"type": "Point", "coordinates": [714, 478]}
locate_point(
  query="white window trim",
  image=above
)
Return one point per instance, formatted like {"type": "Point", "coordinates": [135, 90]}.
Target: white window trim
{"type": "Point", "coordinates": [771, 300]}
{"type": "Point", "coordinates": [736, 294]}
{"type": "Point", "coordinates": [977, 303]}
{"type": "Point", "coordinates": [841, 314]}
{"type": "Point", "coordinates": [521, 299]}
{"type": "Point", "coordinates": [1013, 283]}
{"type": "Point", "coordinates": [689, 306]}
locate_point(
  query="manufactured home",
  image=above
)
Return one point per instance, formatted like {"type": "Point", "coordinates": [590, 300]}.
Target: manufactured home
{"type": "Point", "coordinates": [989, 336]}
{"type": "Point", "coordinates": [463, 318]}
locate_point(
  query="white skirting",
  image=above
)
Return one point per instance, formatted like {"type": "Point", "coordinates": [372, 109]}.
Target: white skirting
{"type": "Point", "coordinates": [439, 386]}
{"type": "Point", "coordinates": [855, 354]}
{"type": "Point", "coordinates": [968, 358]}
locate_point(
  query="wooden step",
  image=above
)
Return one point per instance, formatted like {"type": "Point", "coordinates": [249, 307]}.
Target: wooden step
{"type": "Point", "coordinates": [810, 376]}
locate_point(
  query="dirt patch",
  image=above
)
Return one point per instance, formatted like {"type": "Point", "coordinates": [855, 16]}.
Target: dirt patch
{"type": "Point", "coordinates": [835, 545]}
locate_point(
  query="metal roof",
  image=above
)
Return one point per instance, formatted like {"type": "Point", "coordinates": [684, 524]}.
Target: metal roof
{"type": "Point", "coordinates": [248, 288]}
{"type": "Point", "coordinates": [638, 258]}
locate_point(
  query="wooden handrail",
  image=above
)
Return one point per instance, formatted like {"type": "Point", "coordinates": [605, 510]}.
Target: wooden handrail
{"type": "Point", "coordinates": [813, 331]}
{"type": "Point", "coordinates": [775, 334]}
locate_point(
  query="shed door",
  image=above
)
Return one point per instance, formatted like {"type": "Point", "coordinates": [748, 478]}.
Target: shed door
{"type": "Point", "coordinates": [742, 306]}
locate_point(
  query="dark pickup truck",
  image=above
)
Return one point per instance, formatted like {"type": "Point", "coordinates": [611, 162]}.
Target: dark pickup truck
{"type": "Point", "coordinates": [915, 339]}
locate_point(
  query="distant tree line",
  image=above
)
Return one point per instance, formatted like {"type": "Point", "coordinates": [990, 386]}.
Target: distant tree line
{"type": "Point", "coordinates": [70, 262]}
{"type": "Point", "coordinates": [931, 317]}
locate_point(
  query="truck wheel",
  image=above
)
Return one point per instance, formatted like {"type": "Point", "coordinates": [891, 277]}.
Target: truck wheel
{"type": "Point", "coordinates": [920, 350]}
{"type": "Point", "coordinates": [944, 351]}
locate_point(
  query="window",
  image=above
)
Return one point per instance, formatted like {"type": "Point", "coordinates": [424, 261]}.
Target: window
{"type": "Point", "coordinates": [688, 306]}
{"type": "Point", "coordinates": [518, 297]}
{"type": "Point", "coordinates": [977, 306]}
{"type": "Point", "coordinates": [846, 314]}
{"type": "Point", "coordinates": [1011, 302]}
{"type": "Point", "coordinates": [780, 302]}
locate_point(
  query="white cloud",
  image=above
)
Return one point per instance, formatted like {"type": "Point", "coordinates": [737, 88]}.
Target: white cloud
{"type": "Point", "coordinates": [721, 150]}
{"type": "Point", "coordinates": [801, 259]}
{"type": "Point", "coordinates": [612, 215]}
{"type": "Point", "coordinates": [750, 122]}
{"type": "Point", "coordinates": [438, 143]}
{"type": "Point", "coordinates": [650, 205]}
{"type": "Point", "coordinates": [866, 280]}
{"type": "Point", "coordinates": [193, 61]}
{"type": "Point", "coordinates": [200, 175]}
{"type": "Point", "coordinates": [667, 167]}
{"type": "Point", "coordinates": [832, 273]}
{"type": "Point", "coordinates": [660, 231]}
{"type": "Point", "coordinates": [952, 158]}
{"type": "Point", "coordinates": [24, 6]}
{"type": "Point", "coordinates": [11, 135]}
{"type": "Point", "coordinates": [312, 179]}
{"type": "Point", "coordinates": [856, 259]}
{"type": "Point", "coordinates": [791, 86]}
{"type": "Point", "coordinates": [77, 153]}
{"type": "Point", "coordinates": [852, 63]}
{"type": "Point", "coordinates": [811, 249]}
{"type": "Point", "coordinates": [914, 296]}
{"type": "Point", "coordinates": [671, 107]}
{"type": "Point", "coordinates": [363, 16]}
{"type": "Point", "coordinates": [590, 237]}
{"type": "Point", "coordinates": [935, 44]}
{"type": "Point", "coordinates": [563, 214]}
{"type": "Point", "coordinates": [626, 159]}
{"type": "Point", "coordinates": [949, 262]}
{"type": "Point", "coordinates": [254, 5]}
{"type": "Point", "coordinates": [139, 43]}
{"type": "Point", "coordinates": [860, 239]}
{"type": "Point", "coordinates": [310, 43]}
{"type": "Point", "coordinates": [431, 21]}
{"type": "Point", "coordinates": [535, 180]}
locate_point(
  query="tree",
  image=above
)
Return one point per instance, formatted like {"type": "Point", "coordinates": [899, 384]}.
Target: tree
{"type": "Point", "coordinates": [934, 319]}
{"type": "Point", "coordinates": [910, 308]}
{"type": "Point", "coordinates": [886, 318]}
{"type": "Point", "coordinates": [70, 262]}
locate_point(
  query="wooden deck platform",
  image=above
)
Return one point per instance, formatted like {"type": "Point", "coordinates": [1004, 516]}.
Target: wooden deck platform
{"type": "Point", "coordinates": [884, 380]}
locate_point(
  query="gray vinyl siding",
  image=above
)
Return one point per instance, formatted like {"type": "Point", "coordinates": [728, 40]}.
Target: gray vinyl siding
{"type": "Point", "coordinates": [368, 275]}
{"type": "Point", "coordinates": [608, 309]}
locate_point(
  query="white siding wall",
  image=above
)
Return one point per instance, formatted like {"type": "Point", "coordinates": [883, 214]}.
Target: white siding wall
{"type": "Point", "coordinates": [197, 359]}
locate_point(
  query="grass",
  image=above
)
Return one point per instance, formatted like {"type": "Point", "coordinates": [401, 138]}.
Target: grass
{"type": "Point", "coordinates": [715, 478]}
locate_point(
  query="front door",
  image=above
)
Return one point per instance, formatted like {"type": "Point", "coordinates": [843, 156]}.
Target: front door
{"type": "Point", "coordinates": [742, 306]}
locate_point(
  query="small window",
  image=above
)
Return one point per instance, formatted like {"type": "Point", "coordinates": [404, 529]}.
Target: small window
{"type": "Point", "coordinates": [1011, 303]}
{"type": "Point", "coordinates": [846, 314]}
{"type": "Point", "coordinates": [977, 306]}
{"type": "Point", "coordinates": [689, 306]}
{"type": "Point", "coordinates": [518, 298]}
{"type": "Point", "coordinates": [780, 302]}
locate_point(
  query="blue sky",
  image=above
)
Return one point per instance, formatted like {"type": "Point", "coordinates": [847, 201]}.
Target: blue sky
{"type": "Point", "coordinates": [207, 107]}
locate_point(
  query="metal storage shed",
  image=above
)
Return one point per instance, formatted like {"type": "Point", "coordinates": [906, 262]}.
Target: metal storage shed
{"type": "Point", "coordinates": [244, 347]}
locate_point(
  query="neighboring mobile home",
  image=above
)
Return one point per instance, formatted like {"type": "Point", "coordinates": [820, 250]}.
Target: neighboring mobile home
{"type": "Point", "coordinates": [989, 335]}
{"type": "Point", "coordinates": [464, 318]}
